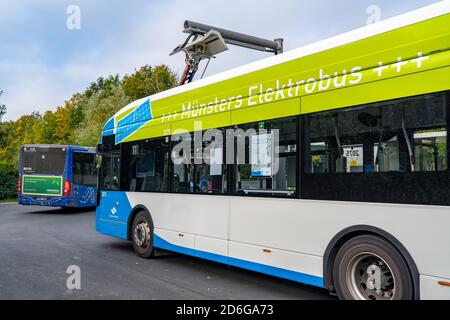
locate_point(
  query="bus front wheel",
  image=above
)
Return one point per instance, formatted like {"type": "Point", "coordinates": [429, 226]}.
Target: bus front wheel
{"type": "Point", "coordinates": [368, 267]}
{"type": "Point", "coordinates": [142, 236]}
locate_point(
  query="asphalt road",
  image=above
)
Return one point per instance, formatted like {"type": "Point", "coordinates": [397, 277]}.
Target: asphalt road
{"type": "Point", "coordinates": [37, 245]}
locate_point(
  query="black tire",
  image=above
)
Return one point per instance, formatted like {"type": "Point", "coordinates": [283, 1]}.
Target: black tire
{"type": "Point", "coordinates": [142, 235]}
{"type": "Point", "coordinates": [368, 267]}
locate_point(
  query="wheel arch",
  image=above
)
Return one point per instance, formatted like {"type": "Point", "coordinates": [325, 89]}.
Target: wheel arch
{"type": "Point", "coordinates": [134, 212]}
{"type": "Point", "coordinates": [353, 231]}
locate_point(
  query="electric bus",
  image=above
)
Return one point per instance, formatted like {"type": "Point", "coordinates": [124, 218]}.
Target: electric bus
{"type": "Point", "coordinates": [57, 176]}
{"type": "Point", "coordinates": [325, 165]}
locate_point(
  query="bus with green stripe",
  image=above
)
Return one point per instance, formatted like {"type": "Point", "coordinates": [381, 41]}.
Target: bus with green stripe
{"type": "Point", "coordinates": [326, 165]}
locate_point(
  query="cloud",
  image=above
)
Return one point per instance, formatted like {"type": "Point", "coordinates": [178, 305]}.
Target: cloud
{"type": "Point", "coordinates": [42, 63]}
{"type": "Point", "coordinates": [33, 87]}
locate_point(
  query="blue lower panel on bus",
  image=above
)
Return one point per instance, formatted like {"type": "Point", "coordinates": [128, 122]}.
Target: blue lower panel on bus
{"type": "Point", "coordinates": [112, 228]}
{"type": "Point", "coordinates": [112, 214]}
{"type": "Point", "coordinates": [46, 201]}
{"type": "Point", "coordinates": [158, 242]}
{"type": "Point", "coordinates": [84, 197]}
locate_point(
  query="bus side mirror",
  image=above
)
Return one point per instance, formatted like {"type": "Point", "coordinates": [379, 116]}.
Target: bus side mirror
{"type": "Point", "coordinates": [99, 161]}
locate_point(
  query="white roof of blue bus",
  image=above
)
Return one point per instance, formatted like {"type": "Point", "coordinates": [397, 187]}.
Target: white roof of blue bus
{"type": "Point", "coordinates": [56, 146]}
{"type": "Point", "coordinates": [409, 18]}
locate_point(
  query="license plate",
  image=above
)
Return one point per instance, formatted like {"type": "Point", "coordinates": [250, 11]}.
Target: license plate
{"type": "Point", "coordinates": [41, 199]}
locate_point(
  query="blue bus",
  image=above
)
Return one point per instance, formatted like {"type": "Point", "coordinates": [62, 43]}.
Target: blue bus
{"type": "Point", "coordinates": [57, 176]}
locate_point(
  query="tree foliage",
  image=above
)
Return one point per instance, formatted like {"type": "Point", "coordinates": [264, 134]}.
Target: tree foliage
{"type": "Point", "coordinates": [79, 121]}
{"type": "Point", "coordinates": [147, 81]}
{"type": "Point", "coordinates": [2, 109]}
{"type": "Point", "coordinates": [98, 110]}
{"type": "Point", "coordinates": [8, 181]}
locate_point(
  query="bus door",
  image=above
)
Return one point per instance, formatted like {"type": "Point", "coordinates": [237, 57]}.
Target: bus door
{"type": "Point", "coordinates": [110, 173]}
{"type": "Point", "coordinates": [109, 180]}
{"type": "Point", "coordinates": [113, 207]}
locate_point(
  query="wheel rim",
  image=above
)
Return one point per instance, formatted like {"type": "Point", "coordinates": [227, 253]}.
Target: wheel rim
{"type": "Point", "coordinates": [142, 235]}
{"type": "Point", "coordinates": [369, 277]}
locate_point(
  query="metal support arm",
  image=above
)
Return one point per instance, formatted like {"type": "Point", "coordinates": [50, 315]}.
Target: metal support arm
{"type": "Point", "coordinates": [205, 41]}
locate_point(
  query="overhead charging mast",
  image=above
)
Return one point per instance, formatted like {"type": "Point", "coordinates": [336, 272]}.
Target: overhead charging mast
{"type": "Point", "coordinates": [204, 42]}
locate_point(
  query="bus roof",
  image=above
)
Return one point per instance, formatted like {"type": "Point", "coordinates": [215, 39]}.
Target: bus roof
{"type": "Point", "coordinates": [231, 97]}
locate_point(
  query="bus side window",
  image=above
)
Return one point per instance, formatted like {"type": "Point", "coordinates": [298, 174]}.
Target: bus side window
{"type": "Point", "coordinates": [84, 172]}
{"type": "Point", "coordinates": [268, 163]}
{"type": "Point", "coordinates": [146, 167]}
{"type": "Point", "coordinates": [182, 159]}
{"type": "Point", "coordinates": [408, 135]}
{"type": "Point", "coordinates": [390, 152]}
{"type": "Point", "coordinates": [211, 174]}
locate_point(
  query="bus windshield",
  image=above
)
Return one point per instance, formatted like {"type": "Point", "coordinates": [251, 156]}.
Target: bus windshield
{"type": "Point", "coordinates": [44, 160]}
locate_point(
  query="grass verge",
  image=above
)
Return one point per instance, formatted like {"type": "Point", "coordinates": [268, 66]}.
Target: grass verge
{"type": "Point", "coordinates": [8, 200]}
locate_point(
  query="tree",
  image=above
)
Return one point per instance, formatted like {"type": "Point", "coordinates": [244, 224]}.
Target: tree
{"type": "Point", "coordinates": [135, 85]}
{"type": "Point", "coordinates": [2, 109]}
{"type": "Point", "coordinates": [162, 79]}
{"type": "Point", "coordinates": [80, 120]}
{"type": "Point", "coordinates": [7, 136]}
{"type": "Point", "coordinates": [44, 129]}
{"type": "Point", "coordinates": [8, 181]}
{"type": "Point", "coordinates": [148, 80]}
{"type": "Point", "coordinates": [97, 111]}
{"type": "Point", "coordinates": [103, 86]}
{"type": "Point", "coordinates": [75, 106]}
{"type": "Point", "coordinates": [23, 132]}
{"type": "Point", "coordinates": [63, 125]}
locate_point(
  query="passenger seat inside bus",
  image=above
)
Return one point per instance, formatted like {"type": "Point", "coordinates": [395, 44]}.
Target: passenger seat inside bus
{"type": "Point", "coordinates": [152, 183]}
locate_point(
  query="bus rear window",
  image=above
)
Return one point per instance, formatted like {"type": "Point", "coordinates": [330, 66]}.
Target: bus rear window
{"type": "Point", "coordinates": [40, 160]}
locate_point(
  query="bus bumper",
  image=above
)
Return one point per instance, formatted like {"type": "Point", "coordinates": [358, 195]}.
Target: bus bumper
{"type": "Point", "coordinates": [46, 201]}
{"type": "Point", "coordinates": [433, 288]}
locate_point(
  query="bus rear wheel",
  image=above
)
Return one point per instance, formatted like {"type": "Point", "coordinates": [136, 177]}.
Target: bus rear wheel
{"type": "Point", "coordinates": [142, 235]}
{"type": "Point", "coordinates": [368, 267]}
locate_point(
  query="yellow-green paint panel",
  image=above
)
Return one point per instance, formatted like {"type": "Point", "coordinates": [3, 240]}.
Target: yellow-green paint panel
{"type": "Point", "coordinates": [280, 109]}
{"type": "Point", "coordinates": [414, 84]}
{"type": "Point", "coordinates": [428, 37]}
{"type": "Point", "coordinates": [203, 123]}
{"type": "Point", "coordinates": [407, 61]}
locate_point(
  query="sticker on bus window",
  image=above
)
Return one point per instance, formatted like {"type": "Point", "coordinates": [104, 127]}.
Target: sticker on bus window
{"type": "Point", "coordinates": [262, 155]}
{"type": "Point", "coordinates": [354, 156]}
{"type": "Point", "coordinates": [216, 161]}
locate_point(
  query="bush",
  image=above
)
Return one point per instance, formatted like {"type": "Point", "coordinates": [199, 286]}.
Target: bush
{"type": "Point", "coordinates": [8, 182]}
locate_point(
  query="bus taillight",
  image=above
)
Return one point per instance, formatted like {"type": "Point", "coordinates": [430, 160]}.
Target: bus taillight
{"type": "Point", "coordinates": [66, 188]}
{"type": "Point", "coordinates": [19, 186]}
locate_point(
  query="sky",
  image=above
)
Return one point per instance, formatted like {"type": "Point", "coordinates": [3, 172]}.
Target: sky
{"type": "Point", "coordinates": [47, 54]}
